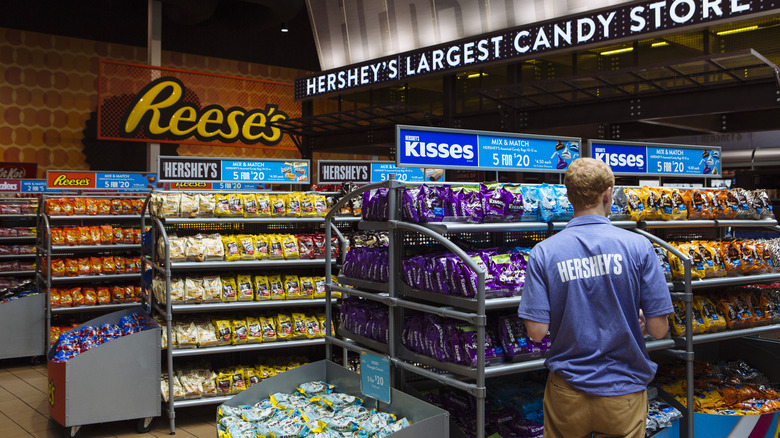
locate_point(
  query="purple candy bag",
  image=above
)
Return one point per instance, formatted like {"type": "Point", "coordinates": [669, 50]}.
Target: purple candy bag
{"type": "Point", "coordinates": [380, 205]}
{"type": "Point", "coordinates": [366, 213]}
{"type": "Point", "coordinates": [509, 275]}
{"type": "Point", "coordinates": [454, 348]}
{"type": "Point", "coordinates": [469, 203]}
{"type": "Point", "coordinates": [468, 336]}
{"type": "Point", "coordinates": [434, 335]}
{"type": "Point", "coordinates": [494, 201]}
{"type": "Point", "coordinates": [434, 203]}
{"type": "Point", "coordinates": [514, 207]}
{"type": "Point", "coordinates": [513, 338]}
{"type": "Point", "coordinates": [410, 205]}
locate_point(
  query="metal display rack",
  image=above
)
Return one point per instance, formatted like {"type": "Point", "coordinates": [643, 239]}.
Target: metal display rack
{"type": "Point", "coordinates": [398, 296]}
{"type": "Point", "coordinates": [46, 251]}
{"type": "Point", "coordinates": [23, 317]}
{"type": "Point", "coordinates": [162, 227]}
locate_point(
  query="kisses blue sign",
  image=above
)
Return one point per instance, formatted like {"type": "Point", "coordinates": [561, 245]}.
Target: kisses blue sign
{"type": "Point", "coordinates": [482, 150]}
{"type": "Point", "coordinates": [658, 159]}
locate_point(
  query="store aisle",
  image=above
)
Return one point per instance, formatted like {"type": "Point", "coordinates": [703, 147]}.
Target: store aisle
{"type": "Point", "coordinates": [24, 410]}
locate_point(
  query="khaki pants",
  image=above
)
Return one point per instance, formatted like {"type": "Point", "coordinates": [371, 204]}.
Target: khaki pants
{"type": "Point", "coordinates": [570, 413]}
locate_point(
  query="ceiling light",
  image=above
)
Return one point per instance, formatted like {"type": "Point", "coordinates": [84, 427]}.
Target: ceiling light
{"type": "Point", "coordinates": [737, 30]}
{"type": "Point", "coordinates": [659, 44]}
{"type": "Point", "coordinates": [475, 75]}
{"type": "Point", "coordinates": [616, 51]}
{"type": "Point", "coordinates": [284, 28]}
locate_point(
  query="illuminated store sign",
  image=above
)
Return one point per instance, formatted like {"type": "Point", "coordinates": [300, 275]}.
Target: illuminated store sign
{"type": "Point", "coordinates": [216, 170]}
{"type": "Point", "coordinates": [482, 150]}
{"type": "Point", "coordinates": [125, 181]}
{"type": "Point", "coordinates": [337, 172]}
{"type": "Point", "coordinates": [589, 28]}
{"type": "Point", "coordinates": [657, 159]}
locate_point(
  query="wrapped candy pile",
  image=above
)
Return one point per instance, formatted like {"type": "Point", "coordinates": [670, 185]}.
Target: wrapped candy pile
{"type": "Point", "coordinates": [444, 339]}
{"type": "Point", "coordinates": [446, 273]}
{"type": "Point", "coordinates": [724, 388]}
{"type": "Point", "coordinates": [71, 344]}
{"type": "Point", "coordinates": [315, 411]}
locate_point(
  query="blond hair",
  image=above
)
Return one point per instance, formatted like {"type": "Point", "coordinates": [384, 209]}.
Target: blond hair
{"type": "Point", "coordinates": [586, 180]}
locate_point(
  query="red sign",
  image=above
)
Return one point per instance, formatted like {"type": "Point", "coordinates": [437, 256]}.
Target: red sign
{"type": "Point", "coordinates": [9, 170]}
{"type": "Point", "coordinates": [9, 185]}
{"type": "Point", "coordinates": [70, 180]}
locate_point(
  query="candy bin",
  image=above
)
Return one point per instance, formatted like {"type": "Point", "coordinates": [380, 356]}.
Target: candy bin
{"type": "Point", "coordinates": [106, 369]}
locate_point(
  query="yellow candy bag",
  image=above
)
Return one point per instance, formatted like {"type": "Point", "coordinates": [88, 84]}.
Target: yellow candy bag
{"type": "Point", "coordinates": [275, 247]}
{"type": "Point", "coordinates": [222, 205]}
{"type": "Point", "coordinates": [254, 331]}
{"type": "Point", "coordinates": [293, 204]}
{"type": "Point", "coordinates": [232, 249]}
{"type": "Point", "coordinates": [290, 247]}
{"type": "Point", "coordinates": [277, 288]}
{"type": "Point", "coordinates": [224, 331]}
{"type": "Point", "coordinates": [263, 205]}
{"type": "Point", "coordinates": [229, 289]}
{"type": "Point", "coordinates": [251, 208]}
{"type": "Point", "coordinates": [239, 331]}
{"type": "Point", "coordinates": [246, 290]}
{"type": "Point", "coordinates": [278, 205]}
{"type": "Point", "coordinates": [298, 326]}
{"type": "Point", "coordinates": [307, 287]}
{"type": "Point", "coordinates": [247, 246]}
{"type": "Point", "coordinates": [268, 325]}
{"type": "Point", "coordinates": [292, 287]}
{"type": "Point", "coordinates": [262, 288]}
{"type": "Point", "coordinates": [284, 327]}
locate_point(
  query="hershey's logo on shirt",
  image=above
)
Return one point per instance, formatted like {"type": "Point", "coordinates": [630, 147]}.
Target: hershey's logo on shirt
{"type": "Point", "coordinates": [587, 267]}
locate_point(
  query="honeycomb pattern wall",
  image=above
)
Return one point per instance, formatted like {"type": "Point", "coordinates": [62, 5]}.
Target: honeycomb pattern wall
{"type": "Point", "coordinates": [49, 89]}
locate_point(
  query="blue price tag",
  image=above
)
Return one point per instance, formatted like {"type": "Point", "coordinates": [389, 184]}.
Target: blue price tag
{"type": "Point", "coordinates": [375, 376]}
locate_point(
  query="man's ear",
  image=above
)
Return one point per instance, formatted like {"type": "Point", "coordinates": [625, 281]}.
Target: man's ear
{"type": "Point", "coordinates": [607, 197]}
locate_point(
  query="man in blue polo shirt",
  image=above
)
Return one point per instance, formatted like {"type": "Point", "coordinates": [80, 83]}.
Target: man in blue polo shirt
{"type": "Point", "coordinates": [597, 289]}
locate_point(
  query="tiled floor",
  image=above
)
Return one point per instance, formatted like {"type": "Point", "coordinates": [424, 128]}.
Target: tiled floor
{"type": "Point", "coordinates": [24, 410]}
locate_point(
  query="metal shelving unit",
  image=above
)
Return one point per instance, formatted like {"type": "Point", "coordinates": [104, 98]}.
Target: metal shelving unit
{"type": "Point", "coordinates": [164, 267]}
{"type": "Point", "coordinates": [46, 251]}
{"type": "Point", "coordinates": [397, 296]}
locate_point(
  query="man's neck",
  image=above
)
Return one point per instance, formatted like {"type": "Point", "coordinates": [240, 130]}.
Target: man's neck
{"type": "Point", "coordinates": [597, 210]}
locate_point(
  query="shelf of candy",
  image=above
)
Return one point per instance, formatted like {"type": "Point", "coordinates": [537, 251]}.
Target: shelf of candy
{"type": "Point", "coordinates": [730, 309]}
{"type": "Point", "coordinates": [92, 267]}
{"type": "Point", "coordinates": [217, 335]}
{"type": "Point", "coordinates": [444, 339]}
{"type": "Point", "coordinates": [315, 410]}
{"type": "Point", "coordinates": [19, 290]}
{"type": "Point", "coordinates": [17, 250]}
{"type": "Point", "coordinates": [70, 345]}
{"type": "Point", "coordinates": [16, 267]}
{"type": "Point", "coordinates": [238, 205]}
{"type": "Point", "coordinates": [201, 380]}
{"type": "Point", "coordinates": [726, 258]}
{"type": "Point", "coordinates": [64, 299]}
{"type": "Point", "coordinates": [665, 203]}
{"type": "Point", "coordinates": [485, 203]}
{"type": "Point", "coordinates": [18, 232]}
{"type": "Point", "coordinates": [723, 388]}
{"type": "Point", "coordinates": [18, 209]}
{"type": "Point", "coordinates": [95, 235]}
{"type": "Point", "coordinates": [85, 206]}
{"type": "Point", "coordinates": [445, 273]}
{"type": "Point", "coordinates": [241, 288]}
{"type": "Point", "coordinates": [247, 247]}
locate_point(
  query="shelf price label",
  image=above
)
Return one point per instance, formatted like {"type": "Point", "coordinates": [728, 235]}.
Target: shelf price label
{"type": "Point", "coordinates": [483, 150]}
{"type": "Point", "coordinates": [375, 376]}
{"type": "Point", "coordinates": [381, 171]}
{"type": "Point", "coordinates": [658, 159]}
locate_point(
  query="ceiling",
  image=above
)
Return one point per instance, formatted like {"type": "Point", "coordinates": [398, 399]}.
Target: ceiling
{"type": "Point", "coordinates": [244, 30]}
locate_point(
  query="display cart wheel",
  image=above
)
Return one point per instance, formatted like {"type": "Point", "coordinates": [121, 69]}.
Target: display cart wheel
{"type": "Point", "coordinates": [72, 432]}
{"type": "Point", "coordinates": [144, 425]}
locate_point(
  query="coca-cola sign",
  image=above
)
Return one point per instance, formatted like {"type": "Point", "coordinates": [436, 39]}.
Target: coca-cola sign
{"type": "Point", "coordinates": [10, 170]}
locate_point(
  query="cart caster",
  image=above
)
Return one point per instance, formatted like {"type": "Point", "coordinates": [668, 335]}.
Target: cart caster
{"type": "Point", "coordinates": [36, 360]}
{"type": "Point", "coordinates": [72, 432]}
{"type": "Point", "coordinates": [144, 425]}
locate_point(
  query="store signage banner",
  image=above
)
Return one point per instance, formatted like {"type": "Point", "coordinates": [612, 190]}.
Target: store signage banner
{"type": "Point", "coordinates": [10, 170]}
{"type": "Point", "coordinates": [337, 172]}
{"type": "Point", "coordinates": [120, 181]}
{"type": "Point", "coordinates": [153, 104]}
{"type": "Point", "coordinates": [25, 186]}
{"type": "Point", "coordinates": [215, 170]}
{"type": "Point", "coordinates": [482, 150]}
{"type": "Point", "coordinates": [595, 27]}
{"type": "Point", "coordinates": [658, 159]}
